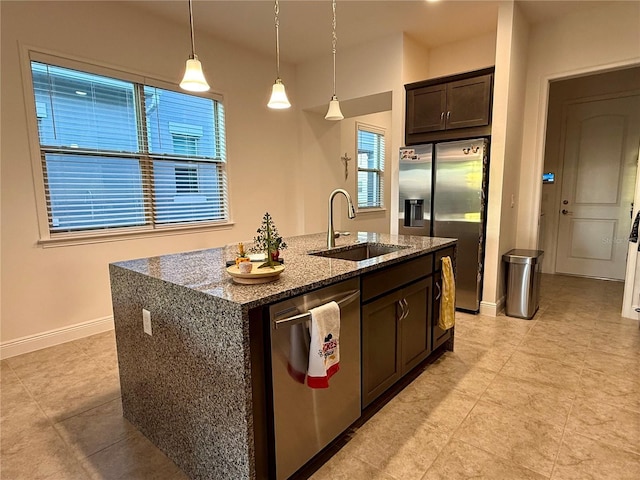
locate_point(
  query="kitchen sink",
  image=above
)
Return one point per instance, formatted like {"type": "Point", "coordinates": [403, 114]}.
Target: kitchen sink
{"type": "Point", "coordinates": [360, 251]}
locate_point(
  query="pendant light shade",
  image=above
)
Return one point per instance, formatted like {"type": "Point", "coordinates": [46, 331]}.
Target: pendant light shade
{"type": "Point", "coordinates": [193, 80]}
{"type": "Point", "coordinates": [278, 100]}
{"type": "Point", "coordinates": [334, 112]}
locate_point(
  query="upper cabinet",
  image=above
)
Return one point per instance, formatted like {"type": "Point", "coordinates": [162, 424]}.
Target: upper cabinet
{"type": "Point", "coordinates": [451, 107]}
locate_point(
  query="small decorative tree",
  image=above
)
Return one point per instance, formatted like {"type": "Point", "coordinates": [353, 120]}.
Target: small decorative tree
{"type": "Point", "coordinates": [268, 241]}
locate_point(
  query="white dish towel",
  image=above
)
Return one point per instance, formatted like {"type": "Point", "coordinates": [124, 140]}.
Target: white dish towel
{"type": "Point", "coordinates": [324, 350]}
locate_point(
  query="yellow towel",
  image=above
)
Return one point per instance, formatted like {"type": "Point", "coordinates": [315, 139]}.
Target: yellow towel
{"type": "Point", "coordinates": [448, 302]}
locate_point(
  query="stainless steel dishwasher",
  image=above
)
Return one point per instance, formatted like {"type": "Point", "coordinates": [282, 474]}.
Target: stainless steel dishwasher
{"type": "Point", "coordinates": [305, 419]}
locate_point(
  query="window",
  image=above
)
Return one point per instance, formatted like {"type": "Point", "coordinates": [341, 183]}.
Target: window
{"type": "Point", "coordinates": [117, 153]}
{"type": "Point", "coordinates": [370, 167]}
{"type": "Point", "coordinates": [186, 179]}
{"type": "Point", "coordinates": [185, 144]}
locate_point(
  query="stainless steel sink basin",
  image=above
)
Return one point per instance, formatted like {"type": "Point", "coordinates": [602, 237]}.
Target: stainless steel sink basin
{"type": "Point", "coordinates": [360, 251]}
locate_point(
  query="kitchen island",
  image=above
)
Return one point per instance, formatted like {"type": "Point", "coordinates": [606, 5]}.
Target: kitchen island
{"type": "Point", "coordinates": [196, 386]}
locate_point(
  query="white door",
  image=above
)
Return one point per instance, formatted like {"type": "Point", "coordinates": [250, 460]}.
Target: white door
{"type": "Point", "coordinates": [601, 141]}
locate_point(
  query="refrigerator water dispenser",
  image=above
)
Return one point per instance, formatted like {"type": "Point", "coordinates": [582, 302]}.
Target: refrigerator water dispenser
{"type": "Point", "coordinates": [414, 212]}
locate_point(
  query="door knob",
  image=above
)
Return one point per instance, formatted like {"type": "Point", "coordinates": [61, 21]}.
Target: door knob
{"type": "Point", "coordinates": [566, 212]}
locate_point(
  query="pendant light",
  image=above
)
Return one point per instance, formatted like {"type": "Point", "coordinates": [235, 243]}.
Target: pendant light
{"type": "Point", "coordinates": [334, 112]}
{"type": "Point", "coordinates": [193, 80]}
{"type": "Point", "coordinates": [278, 98]}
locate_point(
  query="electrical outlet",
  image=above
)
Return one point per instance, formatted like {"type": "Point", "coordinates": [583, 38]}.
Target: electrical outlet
{"type": "Point", "coordinates": [146, 321]}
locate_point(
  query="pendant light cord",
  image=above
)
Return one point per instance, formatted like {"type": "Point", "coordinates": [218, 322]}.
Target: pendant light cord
{"type": "Point", "coordinates": [193, 42]}
{"type": "Point", "coordinates": [334, 40]}
{"type": "Point", "coordinates": [277, 13]}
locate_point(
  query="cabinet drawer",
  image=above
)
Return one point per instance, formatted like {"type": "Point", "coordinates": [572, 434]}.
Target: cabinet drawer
{"type": "Point", "coordinates": [387, 279]}
{"type": "Point", "coordinates": [446, 252]}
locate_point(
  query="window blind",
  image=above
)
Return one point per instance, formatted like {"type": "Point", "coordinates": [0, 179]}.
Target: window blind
{"type": "Point", "coordinates": [188, 157]}
{"type": "Point", "coordinates": [371, 152]}
{"type": "Point", "coordinates": [120, 154]}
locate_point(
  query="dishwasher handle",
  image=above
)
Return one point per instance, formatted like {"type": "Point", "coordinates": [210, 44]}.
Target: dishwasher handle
{"type": "Point", "coordinates": [288, 321]}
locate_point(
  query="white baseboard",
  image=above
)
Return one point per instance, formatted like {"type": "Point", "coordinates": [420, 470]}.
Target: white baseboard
{"type": "Point", "coordinates": [492, 309]}
{"type": "Point", "coordinates": [55, 337]}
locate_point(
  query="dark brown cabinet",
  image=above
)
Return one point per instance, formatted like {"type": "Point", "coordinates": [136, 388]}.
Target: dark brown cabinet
{"type": "Point", "coordinates": [396, 329]}
{"type": "Point", "coordinates": [415, 324]}
{"type": "Point", "coordinates": [469, 102]}
{"type": "Point", "coordinates": [437, 106]}
{"type": "Point", "coordinates": [380, 346]}
{"type": "Point", "coordinates": [426, 109]}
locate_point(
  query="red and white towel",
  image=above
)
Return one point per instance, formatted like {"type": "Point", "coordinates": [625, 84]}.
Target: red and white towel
{"type": "Point", "coordinates": [324, 350]}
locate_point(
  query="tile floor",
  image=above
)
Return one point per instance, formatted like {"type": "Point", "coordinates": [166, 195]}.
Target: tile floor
{"type": "Point", "coordinates": [554, 397]}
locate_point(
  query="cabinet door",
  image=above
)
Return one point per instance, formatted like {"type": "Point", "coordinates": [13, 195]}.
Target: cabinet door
{"type": "Point", "coordinates": [469, 102]}
{"type": "Point", "coordinates": [380, 346]}
{"type": "Point", "coordinates": [439, 335]}
{"type": "Point", "coordinates": [425, 109]}
{"type": "Point", "coordinates": [415, 326]}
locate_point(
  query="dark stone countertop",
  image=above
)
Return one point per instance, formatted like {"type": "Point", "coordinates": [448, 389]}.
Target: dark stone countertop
{"type": "Point", "coordinates": [205, 270]}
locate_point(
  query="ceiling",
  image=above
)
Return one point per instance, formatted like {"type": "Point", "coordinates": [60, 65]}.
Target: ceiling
{"type": "Point", "coordinates": [305, 25]}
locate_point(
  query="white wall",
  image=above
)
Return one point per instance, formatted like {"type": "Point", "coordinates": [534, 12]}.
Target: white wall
{"type": "Point", "coordinates": [415, 60]}
{"type": "Point", "coordinates": [49, 289]}
{"type": "Point", "coordinates": [356, 74]}
{"type": "Point", "coordinates": [320, 168]}
{"type": "Point", "coordinates": [463, 56]}
{"type": "Point", "coordinates": [559, 93]}
{"type": "Point", "coordinates": [506, 134]}
{"type": "Point", "coordinates": [365, 221]}
{"type": "Point", "coordinates": [593, 40]}
{"type": "Point", "coordinates": [324, 145]}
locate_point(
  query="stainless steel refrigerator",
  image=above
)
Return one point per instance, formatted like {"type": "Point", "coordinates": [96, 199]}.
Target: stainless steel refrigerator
{"type": "Point", "coordinates": [443, 191]}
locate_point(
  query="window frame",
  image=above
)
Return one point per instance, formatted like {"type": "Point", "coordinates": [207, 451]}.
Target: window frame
{"type": "Point", "coordinates": [365, 127]}
{"type": "Point", "coordinates": [151, 229]}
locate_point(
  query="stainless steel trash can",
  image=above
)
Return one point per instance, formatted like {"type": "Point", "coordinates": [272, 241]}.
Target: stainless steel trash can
{"type": "Point", "coordinates": [523, 282]}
